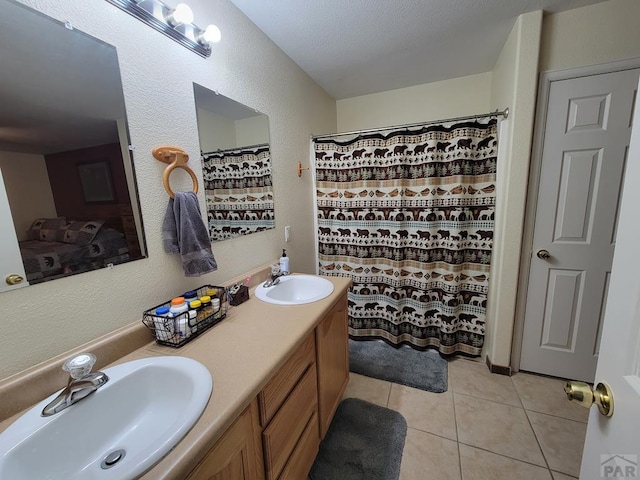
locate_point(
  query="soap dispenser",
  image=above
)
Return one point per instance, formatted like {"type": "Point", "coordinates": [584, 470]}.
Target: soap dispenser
{"type": "Point", "coordinates": [284, 263]}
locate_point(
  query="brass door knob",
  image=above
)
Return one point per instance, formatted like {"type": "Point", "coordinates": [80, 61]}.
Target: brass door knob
{"type": "Point", "coordinates": [582, 394]}
{"type": "Point", "coordinates": [13, 279]}
{"type": "Point", "coordinates": [543, 254]}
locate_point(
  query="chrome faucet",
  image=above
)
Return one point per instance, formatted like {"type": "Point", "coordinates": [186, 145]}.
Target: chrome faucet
{"type": "Point", "coordinates": [82, 383]}
{"type": "Point", "coordinates": [275, 277]}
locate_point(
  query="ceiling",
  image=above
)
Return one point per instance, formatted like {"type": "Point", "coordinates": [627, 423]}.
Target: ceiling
{"type": "Point", "coordinates": [357, 47]}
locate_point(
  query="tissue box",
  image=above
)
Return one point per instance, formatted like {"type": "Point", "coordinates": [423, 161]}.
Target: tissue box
{"type": "Point", "coordinates": [242, 295]}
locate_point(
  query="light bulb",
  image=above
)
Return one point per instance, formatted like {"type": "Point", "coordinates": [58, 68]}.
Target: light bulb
{"type": "Point", "coordinates": [211, 34]}
{"type": "Point", "coordinates": [182, 14]}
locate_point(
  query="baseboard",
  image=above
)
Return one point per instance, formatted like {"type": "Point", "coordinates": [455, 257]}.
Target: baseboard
{"type": "Point", "coordinates": [499, 369]}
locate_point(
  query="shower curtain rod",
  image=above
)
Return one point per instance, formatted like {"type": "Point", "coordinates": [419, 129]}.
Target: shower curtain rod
{"type": "Point", "coordinates": [248, 147]}
{"type": "Point", "coordinates": [504, 113]}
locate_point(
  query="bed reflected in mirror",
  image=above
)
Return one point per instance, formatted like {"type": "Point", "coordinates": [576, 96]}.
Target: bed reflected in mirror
{"type": "Point", "coordinates": [236, 166]}
{"type": "Point", "coordinates": [64, 151]}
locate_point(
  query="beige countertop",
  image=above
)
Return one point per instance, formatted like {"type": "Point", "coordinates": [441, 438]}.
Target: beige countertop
{"type": "Point", "coordinates": [242, 352]}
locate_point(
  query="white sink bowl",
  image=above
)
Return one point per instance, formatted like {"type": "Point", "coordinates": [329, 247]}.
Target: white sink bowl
{"type": "Point", "coordinates": [295, 290]}
{"type": "Point", "coordinates": [145, 409]}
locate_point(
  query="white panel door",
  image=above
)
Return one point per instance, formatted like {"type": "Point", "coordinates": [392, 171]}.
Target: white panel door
{"type": "Point", "coordinates": [612, 448]}
{"type": "Point", "coordinates": [10, 258]}
{"type": "Point", "coordinates": [583, 162]}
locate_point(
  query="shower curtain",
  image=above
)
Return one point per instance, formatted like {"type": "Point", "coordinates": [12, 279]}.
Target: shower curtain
{"type": "Point", "coordinates": [238, 191]}
{"type": "Point", "coordinates": [408, 215]}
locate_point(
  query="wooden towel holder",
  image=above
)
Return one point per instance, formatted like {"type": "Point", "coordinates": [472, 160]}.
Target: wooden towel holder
{"type": "Point", "coordinates": [176, 158]}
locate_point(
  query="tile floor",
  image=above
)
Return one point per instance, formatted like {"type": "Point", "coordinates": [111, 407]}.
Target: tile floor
{"type": "Point", "coordinates": [486, 426]}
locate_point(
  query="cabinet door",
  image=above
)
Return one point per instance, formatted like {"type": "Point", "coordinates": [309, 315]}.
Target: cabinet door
{"type": "Point", "coordinates": [235, 456]}
{"type": "Point", "coordinates": [332, 349]}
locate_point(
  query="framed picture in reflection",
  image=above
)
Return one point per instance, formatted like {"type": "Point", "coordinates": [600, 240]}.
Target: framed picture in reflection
{"type": "Point", "coordinates": [96, 182]}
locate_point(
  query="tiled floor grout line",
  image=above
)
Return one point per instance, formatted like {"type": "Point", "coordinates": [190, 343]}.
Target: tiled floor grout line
{"type": "Point", "coordinates": [460, 461]}
{"type": "Point", "coordinates": [566, 475]}
{"type": "Point", "coordinates": [507, 456]}
{"type": "Point", "coordinates": [554, 416]}
{"type": "Point", "coordinates": [537, 440]}
{"type": "Point", "coordinates": [502, 390]}
{"type": "Point", "coordinates": [517, 392]}
{"type": "Point", "coordinates": [500, 454]}
{"type": "Point", "coordinates": [455, 425]}
{"type": "Point", "coordinates": [535, 435]}
{"type": "Point", "coordinates": [465, 394]}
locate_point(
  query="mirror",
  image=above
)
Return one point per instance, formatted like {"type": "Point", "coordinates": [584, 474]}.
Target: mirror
{"type": "Point", "coordinates": [64, 149]}
{"type": "Point", "coordinates": [236, 165]}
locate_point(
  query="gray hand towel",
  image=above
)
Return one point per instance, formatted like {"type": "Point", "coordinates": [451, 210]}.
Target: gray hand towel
{"type": "Point", "coordinates": [184, 232]}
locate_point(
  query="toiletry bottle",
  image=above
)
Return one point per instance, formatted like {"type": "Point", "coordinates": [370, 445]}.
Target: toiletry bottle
{"type": "Point", "coordinates": [163, 323]}
{"type": "Point", "coordinates": [284, 263]}
{"type": "Point", "coordinates": [193, 321]}
{"type": "Point", "coordinates": [182, 327]}
{"type": "Point", "coordinates": [215, 304]}
{"type": "Point", "coordinates": [195, 314]}
{"type": "Point", "coordinates": [207, 308]}
{"type": "Point", "coordinates": [178, 306]}
{"type": "Point", "coordinates": [190, 296]}
{"type": "Point", "coordinates": [179, 310]}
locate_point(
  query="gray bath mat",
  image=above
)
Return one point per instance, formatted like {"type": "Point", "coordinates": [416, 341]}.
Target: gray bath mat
{"type": "Point", "coordinates": [364, 442]}
{"type": "Point", "coordinates": [425, 370]}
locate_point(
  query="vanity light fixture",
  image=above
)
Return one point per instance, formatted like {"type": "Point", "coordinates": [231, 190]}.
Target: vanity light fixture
{"type": "Point", "coordinates": [181, 14]}
{"type": "Point", "coordinates": [175, 23]}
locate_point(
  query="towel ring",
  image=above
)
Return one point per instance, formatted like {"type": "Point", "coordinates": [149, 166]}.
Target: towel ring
{"type": "Point", "coordinates": [176, 158]}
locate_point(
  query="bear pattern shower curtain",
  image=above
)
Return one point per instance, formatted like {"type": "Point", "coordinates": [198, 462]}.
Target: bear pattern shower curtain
{"type": "Point", "coordinates": [238, 191]}
{"type": "Point", "coordinates": [408, 215]}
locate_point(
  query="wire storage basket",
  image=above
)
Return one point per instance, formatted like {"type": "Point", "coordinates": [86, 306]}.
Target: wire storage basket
{"type": "Point", "coordinates": [181, 329]}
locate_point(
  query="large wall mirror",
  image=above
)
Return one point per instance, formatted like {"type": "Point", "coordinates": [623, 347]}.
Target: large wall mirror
{"type": "Point", "coordinates": [236, 165]}
{"type": "Point", "coordinates": [65, 166]}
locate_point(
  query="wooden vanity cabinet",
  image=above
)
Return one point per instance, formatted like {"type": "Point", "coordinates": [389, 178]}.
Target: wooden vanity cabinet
{"type": "Point", "coordinates": [238, 453]}
{"type": "Point", "coordinates": [289, 416]}
{"type": "Point", "coordinates": [277, 437]}
{"type": "Point", "coordinates": [332, 347]}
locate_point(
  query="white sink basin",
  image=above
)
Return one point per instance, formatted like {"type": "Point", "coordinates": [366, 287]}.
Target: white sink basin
{"type": "Point", "coordinates": [295, 290]}
{"type": "Point", "coordinates": [145, 409]}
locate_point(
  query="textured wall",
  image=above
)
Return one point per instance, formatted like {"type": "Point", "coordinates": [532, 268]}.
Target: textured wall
{"type": "Point", "coordinates": [41, 321]}
{"type": "Point", "coordinates": [600, 33]}
{"type": "Point", "coordinates": [515, 77]}
{"type": "Point", "coordinates": [592, 35]}
{"type": "Point", "coordinates": [431, 101]}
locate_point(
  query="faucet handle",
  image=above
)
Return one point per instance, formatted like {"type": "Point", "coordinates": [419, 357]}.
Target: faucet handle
{"type": "Point", "coordinates": [79, 366]}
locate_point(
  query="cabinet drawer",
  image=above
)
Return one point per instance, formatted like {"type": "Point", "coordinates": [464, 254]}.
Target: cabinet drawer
{"type": "Point", "coordinates": [287, 426]}
{"type": "Point", "coordinates": [282, 383]}
{"type": "Point", "coordinates": [305, 452]}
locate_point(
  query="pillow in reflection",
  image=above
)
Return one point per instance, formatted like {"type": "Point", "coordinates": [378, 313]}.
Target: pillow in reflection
{"type": "Point", "coordinates": [81, 233]}
{"type": "Point", "coordinates": [46, 229]}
